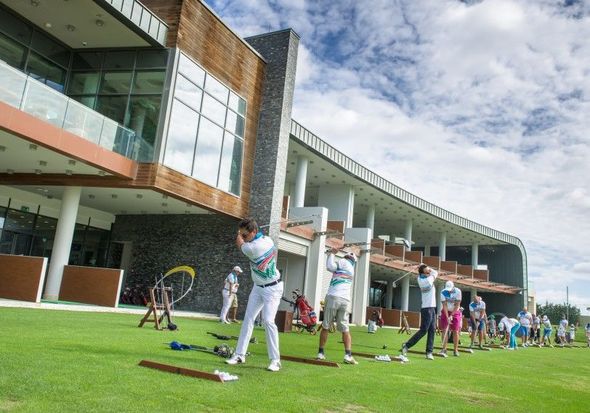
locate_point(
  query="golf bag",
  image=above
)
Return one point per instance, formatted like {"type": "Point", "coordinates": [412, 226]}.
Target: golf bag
{"type": "Point", "coordinates": [303, 312]}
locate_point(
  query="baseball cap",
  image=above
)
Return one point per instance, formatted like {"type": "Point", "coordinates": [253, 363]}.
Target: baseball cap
{"type": "Point", "coordinates": [449, 285]}
{"type": "Point", "coordinates": [237, 269]}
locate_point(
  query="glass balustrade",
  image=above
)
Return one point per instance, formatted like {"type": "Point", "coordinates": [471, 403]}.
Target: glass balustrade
{"type": "Point", "coordinates": [142, 17]}
{"type": "Point", "coordinates": [33, 97]}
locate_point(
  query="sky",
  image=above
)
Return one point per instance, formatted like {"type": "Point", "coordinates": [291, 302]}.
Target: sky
{"type": "Point", "coordinates": [480, 107]}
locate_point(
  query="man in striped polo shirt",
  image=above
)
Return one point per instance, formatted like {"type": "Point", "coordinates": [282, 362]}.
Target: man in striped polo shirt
{"type": "Point", "coordinates": [265, 295]}
{"type": "Point", "coordinates": [337, 302]}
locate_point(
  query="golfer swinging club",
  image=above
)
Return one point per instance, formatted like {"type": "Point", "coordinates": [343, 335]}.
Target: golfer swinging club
{"type": "Point", "coordinates": [265, 295]}
{"type": "Point", "coordinates": [426, 278]}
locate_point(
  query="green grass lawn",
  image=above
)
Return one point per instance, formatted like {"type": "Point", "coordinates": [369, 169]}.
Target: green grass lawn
{"type": "Point", "coordinates": [66, 361]}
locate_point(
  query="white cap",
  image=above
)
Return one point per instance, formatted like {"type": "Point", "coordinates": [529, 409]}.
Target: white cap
{"type": "Point", "coordinates": [449, 285]}
{"type": "Point", "coordinates": [237, 269]}
{"type": "Point", "coordinates": [351, 256]}
{"type": "Point", "coordinates": [545, 317]}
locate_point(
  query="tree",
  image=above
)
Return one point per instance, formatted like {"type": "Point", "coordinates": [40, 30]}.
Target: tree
{"type": "Point", "coordinates": [555, 311]}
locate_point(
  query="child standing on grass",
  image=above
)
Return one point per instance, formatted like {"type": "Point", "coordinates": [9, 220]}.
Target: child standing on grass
{"type": "Point", "coordinates": [547, 330]}
{"type": "Point", "coordinates": [561, 329]}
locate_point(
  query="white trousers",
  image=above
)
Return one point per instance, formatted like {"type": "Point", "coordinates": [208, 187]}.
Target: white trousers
{"type": "Point", "coordinates": [266, 300]}
{"type": "Point", "coordinates": [227, 300]}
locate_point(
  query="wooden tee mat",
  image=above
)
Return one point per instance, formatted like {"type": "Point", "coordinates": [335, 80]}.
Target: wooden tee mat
{"type": "Point", "coordinates": [181, 370]}
{"type": "Point", "coordinates": [310, 361]}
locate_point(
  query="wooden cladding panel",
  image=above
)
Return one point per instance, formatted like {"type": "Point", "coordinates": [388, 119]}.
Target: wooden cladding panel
{"type": "Point", "coordinates": [415, 256]}
{"type": "Point", "coordinates": [433, 262]}
{"type": "Point", "coordinates": [285, 209]}
{"type": "Point", "coordinates": [481, 275]}
{"type": "Point", "coordinates": [378, 244]}
{"type": "Point", "coordinates": [413, 318]}
{"type": "Point", "coordinates": [169, 12]}
{"type": "Point", "coordinates": [337, 226]}
{"type": "Point", "coordinates": [91, 285]}
{"type": "Point", "coordinates": [465, 270]}
{"type": "Point", "coordinates": [391, 317]}
{"type": "Point", "coordinates": [450, 266]}
{"type": "Point", "coordinates": [21, 278]}
{"type": "Point", "coordinates": [205, 38]}
{"type": "Point", "coordinates": [395, 250]}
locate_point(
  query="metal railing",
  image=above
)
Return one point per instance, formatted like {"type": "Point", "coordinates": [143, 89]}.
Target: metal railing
{"type": "Point", "coordinates": [37, 99]}
{"type": "Point", "coordinates": [142, 17]}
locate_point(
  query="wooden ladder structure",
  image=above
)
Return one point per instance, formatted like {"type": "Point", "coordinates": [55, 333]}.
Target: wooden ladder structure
{"type": "Point", "coordinates": [154, 307]}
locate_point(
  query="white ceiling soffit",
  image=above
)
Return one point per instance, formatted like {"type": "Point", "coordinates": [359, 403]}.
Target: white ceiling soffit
{"type": "Point", "coordinates": [327, 166]}
{"type": "Point", "coordinates": [77, 23]}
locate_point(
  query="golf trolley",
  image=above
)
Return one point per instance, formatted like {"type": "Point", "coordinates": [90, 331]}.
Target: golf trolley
{"type": "Point", "coordinates": [304, 317]}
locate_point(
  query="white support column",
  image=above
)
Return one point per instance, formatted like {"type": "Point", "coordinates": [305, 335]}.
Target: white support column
{"type": "Point", "coordinates": [475, 255]}
{"type": "Point", "coordinates": [362, 280]}
{"type": "Point", "coordinates": [427, 250]}
{"type": "Point", "coordinates": [339, 199]}
{"type": "Point", "coordinates": [371, 218]}
{"type": "Point", "coordinates": [62, 243]}
{"type": "Point", "coordinates": [316, 256]}
{"type": "Point", "coordinates": [439, 287]}
{"type": "Point", "coordinates": [405, 301]}
{"type": "Point", "coordinates": [408, 233]}
{"type": "Point", "coordinates": [389, 295]}
{"type": "Point", "coordinates": [442, 246]}
{"type": "Point", "coordinates": [300, 182]}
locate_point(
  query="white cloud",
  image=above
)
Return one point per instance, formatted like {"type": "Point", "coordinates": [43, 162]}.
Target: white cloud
{"type": "Point", "coordinates": [495, 95]}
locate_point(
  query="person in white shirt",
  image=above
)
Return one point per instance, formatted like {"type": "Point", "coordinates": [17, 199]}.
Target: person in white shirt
{"type": "Point", "coordinates": [337, 302]}
{"type": "Point", "coordinates": [561, 329]}
{"type": "Point", "coordinates": [525, 319]}
{"type": "Point", "coordinates": [228, 292]}
{"type": "Point", "coordinates": [588, 333]}
{"type": "Point", "coordinates": [450, 317]}
{"type": "Point", "coordinates": [426, 278]}
{"type": "Point", "coordinates": [509, 326]}
{"type": "Point", "coordinates": [477, 318]}
{"type": "Point", "coordinates": [572, 333]}
{"type": "Point", "coordinates": [547, 330]}
{"type": "Point", "coordinates": [266, 293]}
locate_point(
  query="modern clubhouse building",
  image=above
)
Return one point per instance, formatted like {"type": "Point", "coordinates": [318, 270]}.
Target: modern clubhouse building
{"type": "Point", "coordinates": [134, 136]}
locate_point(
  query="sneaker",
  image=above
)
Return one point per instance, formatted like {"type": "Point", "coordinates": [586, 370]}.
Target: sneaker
{"type": "Point", "coordinates": [236, 359]}
{"type": "Point", "coordinates": [429, 356]}
{"type": "Point", "coordinates": [404, 350]}
{"type": "Point", "coordinates": [235, 321]}
{"type": "Point", "coordinates": [456, 353]}
{"type": "Point", "coordinates": [443, 353]}
{"type": "Point", "coordinates": [509, 348]}
{"type": "Point", "coordinates": [275, 365]}
{"type": "Point", "coordinates": [320, 356]}
{"type": "Point", "coordinates": [349, 360]}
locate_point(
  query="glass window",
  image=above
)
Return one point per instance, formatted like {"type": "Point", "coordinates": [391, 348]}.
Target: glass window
{"type": "Point", "coordinates": [235, 123]}
{"type": "Point", "coordinates": [149, 82]}
{"type": "Point", "coordinates": [119, 60]}
{"type": "Point", "coordinates": [217, 89]}
{"type": "Point", "coordinates": [15, 27]}
{"type": "Point", "coordinates": [87, 60]}
{"type": "Point", "coordinates": [152, 59]}
{"type": "Point", "coordinates": [50, 49]}
{"type": "Point", "coordinates": [115, 82]}
{"type": "Point", "coordinates": [88, 101]}
{"type": "Point", "coordinates": [83, 83]}
{"type": "Point", "coordinates": [208, 152]}
{"type": "Point", "coordinates": [44, 235]}
{"type": "Point", "coordinates": [19, 221]}
{"type": "Point", "coordinates": [213, 110]}
{"type": "Point", "coordinates": [188, 92]}
{"type": "Point", "coordinates": [182, 133]}
{"type": "Point", "coordinates": [193, 72]}
{"type": "Point", "coordinates": [46, 72]}
{"type": "Point", "coordinates": [12, 52]}
{"type": "Point", "coordinates": [113, 107]}
{"type": "Point", "coordinates": [230, 169]}
{"type": "Point", "coordinates": [237, 104]}
{"type": "Point", "coordinates": [144, 112]}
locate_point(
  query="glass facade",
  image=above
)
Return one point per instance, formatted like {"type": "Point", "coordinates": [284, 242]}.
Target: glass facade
{"type": "Point", "coordinates": [25, 233]}
{"type": "Point", "coordinates": [206, 129]}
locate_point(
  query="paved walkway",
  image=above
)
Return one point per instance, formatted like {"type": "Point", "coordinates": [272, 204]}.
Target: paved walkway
{"type": "Point", "coordinates": [94, 308]}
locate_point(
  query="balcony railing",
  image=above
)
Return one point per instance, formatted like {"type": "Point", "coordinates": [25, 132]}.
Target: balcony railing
{"type": "Point", "coordinates": [142, 17]}
{"type": "Point", "coordinates": [33, 97]}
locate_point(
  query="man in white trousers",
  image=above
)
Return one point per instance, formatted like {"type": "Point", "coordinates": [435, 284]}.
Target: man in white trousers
{"type": "Point", "coordinates": [229, 291]}
{"type": "Point", "coordinates": [265, 295]}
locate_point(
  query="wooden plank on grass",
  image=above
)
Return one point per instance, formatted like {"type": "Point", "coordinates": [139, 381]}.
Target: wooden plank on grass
{"type": "Point", "coordinates": [181, 370]}
{"type": "Point", "coordinates": [372, 356]}
{"type": "Point", "coordinates": [423, 353]}
{"type": "Point", "coordinates": [310, 361]}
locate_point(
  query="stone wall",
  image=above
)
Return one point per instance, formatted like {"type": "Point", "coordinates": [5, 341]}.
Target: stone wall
{"type": "Point", "coordinates": [204, 242]}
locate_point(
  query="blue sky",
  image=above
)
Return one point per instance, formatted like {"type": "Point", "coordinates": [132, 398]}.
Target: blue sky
{"type": "Point", "coordinates": [484, 104]}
